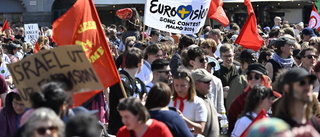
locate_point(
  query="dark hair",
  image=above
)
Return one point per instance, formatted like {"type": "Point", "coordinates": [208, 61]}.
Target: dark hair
{"type": "Point", "coordinates": [83, 125]}
{"type": "Point", "coordinates": [159, 64]}
{"type": "Point", "coordinates": [16, 96]}
{"type": "Point", "coordinates": [52, 96]}
{"type": "Point", "coordinates": [263, 55]}
{"type": "Point", "coordinates": [193, 53]}
{"type": "Point", "coordinates": [135, 106]}
{"type": "Point", "coordinates": [274, 33]}
{"type": "Point", "coordinates": [255, 97]}
{"type": "Point", "coordinates": [215, 32]}
{"type": "Point", "coordinates": [186, 41]}
{"type": "Point", "coordinates": [152, 49]}
{"type": "Point", "coordinates": [159, 96]}
{"type": "Point", "coordinates": [133, 58]}
{"type": "Point", "coordinates": [209, 43]}
{"type": "Point", "coordinates": [226, 47]}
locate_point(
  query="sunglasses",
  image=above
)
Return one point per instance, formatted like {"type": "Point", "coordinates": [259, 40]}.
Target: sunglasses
{"type": "Point", "coordinates": [43, 130]}
{"type": "Point", "coordinates": [312, 43]}
{"type": "Point", "coordinates": [201, 60]}
{"type": "Point", "coordinates": [304, 82]}
{"type": "Point", "coordinates": [256, 76]}
{"type": "Point", "coordinates": [206, 82]}
{"type": "Point", "coordinates": [166, 72]}
{"type": "Point", "coordinates": [311, 56]}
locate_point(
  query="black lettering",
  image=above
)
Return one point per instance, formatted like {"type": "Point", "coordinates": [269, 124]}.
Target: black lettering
{"type": "Point", "coordinates": [15, 71]}
{"type": "Point", "coordinates": [90, 74]}
{"type": "Point", "coordinates": [25, 67]}
{"type": "Point", "coordinates": [173, 11]}
{"type": "Point", "coordinates": [25, 93]}
{"type": "Point", "coordinates": [166, 10]}
{"type": "Point", "coordinates": [160, 8]}
{"type": "Point", "coordinates": [153, 5]}
{"type": "Point", "coordinates": [61, 66]}
{"type": "Point", "coordinates": [73, 56]}
{"type": "Point", "coordinates": [39, 65]}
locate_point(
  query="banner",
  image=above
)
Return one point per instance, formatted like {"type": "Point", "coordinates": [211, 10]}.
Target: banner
{"type": "Point", "coordinates": [69, 62]}
{"type": "Point", "coordinates": [32, 33]}
{"type": "Point", "coordinates": [176, 16]}
{"type": "Point", "coordinates": [314, 21]}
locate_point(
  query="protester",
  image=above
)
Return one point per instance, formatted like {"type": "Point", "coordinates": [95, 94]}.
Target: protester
{"type": "Point", "coordinates": [157, 105]}
{"type": "Point", "coordinates": [161, 73]}
{"type": "Point", "coordinates": [84, 125]}
{"type": "Point", "coordinates": [137, 121]}
{"type": "Point", "coordinates": [151, 53]}
{"type": "Point", "coordinates": [281, 58]}
{"type": "Point", "coordinates": [260, 97]}
{"type": "Point", "coordinates": [133, 86]}
{"type": "Point", "coordinates": [271, 127]}
{"type": "Point", "coordinates": [188, 104]}
{"type": "Point", "coordinates": [215, 34]}
{"type": "Point", "coordinates": [297, 85]}
{"type": "Point", "coordinates": [202, 82]}
{"type": "Point", "coordinates": [256, 75]}
{"type": "Point", "coordinates": [44, 122]}
{"type": "Point", "coordinates": [10, 115]}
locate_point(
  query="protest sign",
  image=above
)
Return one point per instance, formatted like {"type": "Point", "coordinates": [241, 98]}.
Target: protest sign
{"type": "Point", "coordinates": [180, 16]}
{"type": "Point", "coordinates": [68, 62]}
{"type": "Point", "coordinates": [32, 33]}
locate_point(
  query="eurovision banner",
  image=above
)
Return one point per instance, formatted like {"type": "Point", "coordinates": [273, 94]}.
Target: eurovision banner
{"type": "Point", "coordinates": [183, 16]}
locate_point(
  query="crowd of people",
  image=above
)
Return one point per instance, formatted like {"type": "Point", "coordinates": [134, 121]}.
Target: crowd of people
{"type": "Point", "coordinates": [177, 85]}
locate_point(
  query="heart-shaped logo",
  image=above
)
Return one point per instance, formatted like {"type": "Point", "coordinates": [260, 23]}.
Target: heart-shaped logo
{"type": "Point", "coordinates": [184, 11]}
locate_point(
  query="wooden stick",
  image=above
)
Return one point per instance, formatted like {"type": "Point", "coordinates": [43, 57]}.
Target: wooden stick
{"type": "Point", "coordinates": [143, 31]}
{"type": "Point", "coordinates": [123, 90]}
{"type": "Point", "coordinates": [199, 35]}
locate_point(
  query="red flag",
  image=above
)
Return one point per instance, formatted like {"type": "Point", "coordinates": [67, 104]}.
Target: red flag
{"type": "Point", "coordinates": [36, 48]}
{"type": "Point", "coordinates": [81, 25]}
{"type": "Point", "coordinates": [5, 25]}
{"type": "Point", "coordinates": [249, 36]}
{"type": "Point", "coordinates": [314, 21]}
{"type": "Point", "coordinates": [261, 115]}
{"type": "Point", "coordinates": [217, 13]}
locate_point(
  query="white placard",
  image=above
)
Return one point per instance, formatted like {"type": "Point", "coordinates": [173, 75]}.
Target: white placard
{"type": "Point", "coordinates": [176, 16]}
{"type": "Point", "coordinates": [32, 33]}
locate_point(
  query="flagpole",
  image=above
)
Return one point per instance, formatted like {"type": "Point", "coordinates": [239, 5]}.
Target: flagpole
{"type": "Point", "coordinates": [123, 90]}
{"type": "Point", "coordinates": [143, 31]}
{"type": "Point", "coordinates": [199, 34]}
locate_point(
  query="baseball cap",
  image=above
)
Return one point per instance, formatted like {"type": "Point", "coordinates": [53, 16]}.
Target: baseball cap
{"type": "Point", "coordinates": [284, 40]}
{"type": "Point", "coordinates": [248, 55]}
{"type": "Point", "coordinates": [258, 68]}
{"type": "Point", "coordinates": [167, 38]}
{"type": "Point", "coordinates": [14, 46]}
{"type": "Point", "coordinates": [308, 31]}
{"type": "Point", "coordinates": [201, 75]}
{"type": "Point", "coordinates": [297, 74]}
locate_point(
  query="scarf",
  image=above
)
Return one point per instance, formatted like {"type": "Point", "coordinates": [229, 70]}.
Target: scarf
{"type": "Point", "coordinates": [181, 107]}
{"type": "Point", "coordinates": [284, 63]}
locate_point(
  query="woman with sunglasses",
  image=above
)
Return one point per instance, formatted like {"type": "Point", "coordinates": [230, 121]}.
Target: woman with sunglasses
{"type": "Point", "coordinates": [44, 122]}
{"type": "Point", "coordinates": [188, 104]}
{"type": "Point", "coordinates": [256, 75]}
{"type": "Point", "coordinates": [315, 42]}
{"type": "Point", "coordinates": [259, 98]}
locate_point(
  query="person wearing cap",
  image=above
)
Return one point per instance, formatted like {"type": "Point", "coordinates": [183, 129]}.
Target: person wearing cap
{"type": "Point", "coordinates": [258, 99]}
{"type": "Point", "coordinates": [151, 53]}
{"type": "Point", "coordinates": [256, 75]}
{"type": "Point", "coordinates": [295, 104]}
{"type": "Point", "coordinates": [202, 79]}
{"type": "Point", "coordinates": [155, 35]}
{"type": "Point", "coordinates": [282, 58]}
{"type": "Point", "coordinates": [13, 49]}
{"type": "Point", "coordinates": [238, 84]}
{"type": "Point", "coordinates": [161, 73]}
{"type": "Point", "coordinates": [306, 34]}
{"type": "Point", "coordinates": [271, 127]}
{"type": "Point", "coordinates": [215, 34]}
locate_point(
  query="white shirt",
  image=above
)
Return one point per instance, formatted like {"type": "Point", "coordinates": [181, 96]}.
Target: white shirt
{"type": "Point", "coordinates": [194, 111]}
{"type": "Point", "coordinates": [145, 75]}
{"type": "Point", "coordinates": [216, 95]}
{"type": "Point", "coordinates": [4, 70]}
{"type": "Point", "coordinates": [217, 53]}
{"type": "Point", "coordinates": [242, 124]}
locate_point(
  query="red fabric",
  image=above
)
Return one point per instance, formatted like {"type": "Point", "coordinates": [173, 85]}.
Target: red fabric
{"type": "Point", "coordinates": [36, 48]}
{"type": "Point", "coordinates": [181, 106]}
{"type": "Point", "coordinates": [5, 25]}
{"type": "Point", "coordinates": [249, 36]}
{"type": "Point", "coordinates": [81, 25]}
{"type": "Point", "coordinates": [156, 129]}
{"type": "Point", "coordinates": [124, 14]}
{"type": "Point", "coordinates": [314, 20]}
{"type": "Point", "coordinates": [217, 13]}
{"type": "Point", "coordinates": [261, 115]}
